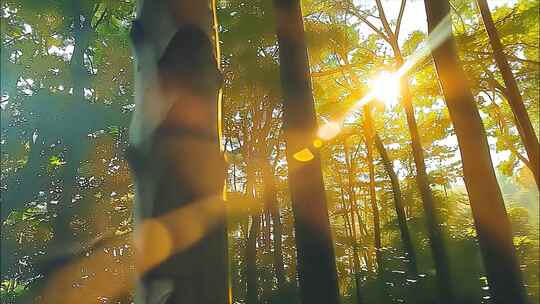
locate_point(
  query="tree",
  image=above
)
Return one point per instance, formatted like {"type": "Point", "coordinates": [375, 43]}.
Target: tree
{"type": "Point", "coordinates": [491, 220]}
{"type": "Point", "coordinates": [396, 190]}
{"type": "Point", "coordinates": [523, 123]}
{"type": "Point", "coordinates": [175, 155]}
{"type": "Point", "coordinates": [316, 261]}
{"type": "Point", "coordinates": [353, 207]}
{"type": "Point", "coordinates": [422, 178]}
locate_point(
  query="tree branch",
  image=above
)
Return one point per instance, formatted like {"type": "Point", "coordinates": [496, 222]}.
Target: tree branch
{"type": "Point", "coordinates": [335, 70]}
{"type": "Point", "coordinates": [384, 21]}
{"type": "Point", "coordinates": [400, 17]}
{"type": "Point", "coordinates": [357, 14]}
{"type": "Point", "coordinates": [105, 12]}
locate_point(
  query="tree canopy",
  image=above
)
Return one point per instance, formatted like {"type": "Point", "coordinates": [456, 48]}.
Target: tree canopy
{"type": "Point", "coordinates": [68, 198]}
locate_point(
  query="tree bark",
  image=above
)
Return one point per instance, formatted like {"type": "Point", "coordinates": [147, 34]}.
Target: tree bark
{"type": "Point", "coordinates": [175, 155]}
{"type": "Point", "coordinates": [316, 261]}
{"type": "Point", "coordinates": [487, 204]}
{"type": "Point", "coordinates": [515, 100]}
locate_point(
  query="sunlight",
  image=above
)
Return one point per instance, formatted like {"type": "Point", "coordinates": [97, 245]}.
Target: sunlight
{"type": "Point", "coordinates": [386, 88]}
{"type": "Point", "coordinates": [329, 130]}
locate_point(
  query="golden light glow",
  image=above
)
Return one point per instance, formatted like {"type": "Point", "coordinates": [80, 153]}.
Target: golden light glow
{"type": "Point", "coordinates": [317, 143]}
{"type": "Point", "coordinates": [152, 238]}
{"type": "Point", "coordinates": [303, 155]}
{"type": "Point", "coordinates": [329, 130]}
{"type": "Point", "coordinates": [386, 88]}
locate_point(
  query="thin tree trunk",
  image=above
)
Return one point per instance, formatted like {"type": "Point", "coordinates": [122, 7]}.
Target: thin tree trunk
{"type": "Point", "coordinates": [515, 100]}
{"type": "Point", "coordinates": [251, 259]}
{"type": "Point", "coordinates": [368, 134]}
{"type": "Point", "coordinates": [398, 202]}
{"type": "Point", "coordinates": [175, 156]}
{"type": "Point", "coordinates": [252, 285]}
{"type": "Point", "coordinates": [352, 203]}
{"type": "Point", "coordinates": [487, 204]}
{"type": "Point", "coordinates": [362, 229]}
{"type": "Point", "coordinates": [316, 261]}
{"type": "Point", "coordinates": [272, 203]}
{"type": "Point", "coordinates": [435, 233]}
{"type": "Point", "coordinates": [434, 230]}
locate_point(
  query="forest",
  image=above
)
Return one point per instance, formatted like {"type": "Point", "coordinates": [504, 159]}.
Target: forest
{"type": "Point", "coordinates": [270, 151]}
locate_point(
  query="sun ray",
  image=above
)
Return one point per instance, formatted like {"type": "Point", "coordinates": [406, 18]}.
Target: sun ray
{"type": "Point", "coordinates": [386, 85]}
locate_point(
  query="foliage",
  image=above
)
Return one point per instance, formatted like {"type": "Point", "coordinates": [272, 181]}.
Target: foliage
{"type": "Point", "coordinates": [65, 182]}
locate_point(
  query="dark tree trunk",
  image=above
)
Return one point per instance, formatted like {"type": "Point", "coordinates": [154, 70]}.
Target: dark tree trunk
{"type": "Point", "coordinates": [398, 201]}
{"type": "Point", "coordinates": [251, 246]}
{"type": "Point", "coordinates": [272, 203]}
{"type": "Point", "coordinates": [75, 143]}
{"type": "Point", "coordinates": [523, 123]}
{"type": "Point", "coordinates": [175, 156]}
{"type": "Point", "coordinates": [316, 261]}
{"type": "Point", "coordinates": [487, 204]}
{"type": "Point", "coordinates": [251, 259]}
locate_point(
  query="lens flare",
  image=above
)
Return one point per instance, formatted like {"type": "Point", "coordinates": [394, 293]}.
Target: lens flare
{"type": "Point", "coordinates": [386, 88]}
{"type": "Point", "coordinates": [329, 130]}
{"type": "Point", "coordinates": [303, 155]}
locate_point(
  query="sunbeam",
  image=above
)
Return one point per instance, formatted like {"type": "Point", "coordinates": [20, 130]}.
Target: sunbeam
{"type": "Point", "coordinates": [386, 86]}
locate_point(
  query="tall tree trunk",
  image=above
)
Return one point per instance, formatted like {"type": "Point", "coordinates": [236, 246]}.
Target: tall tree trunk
{"type": "Point", "coordinates": [368, 134]}
{"type": "Point", "coordinates": [523, 123]}
{"type": "Point", "coordinates": [75, 147]}
{"type": "Point", "coordinates": [487, 204]}
{"type": "Point", "coordinates": [251, 259]}
{"type": "Point", "coordinates": [251, 247]}
{"type": "Point", "coordinates": [315, 252]}
{"type": "Point", "coordinates": [352, 204]}
{"type": "Point", "coordinates": [175, 155]}
{"type": "Point", "coordinates": [435, 232]}
{"type": "Point", "coordinates": [362, 228]}
{"type": "Point", "coordinates": [272, 203]}
{"type": "Point", "coordinates": [398, 201]}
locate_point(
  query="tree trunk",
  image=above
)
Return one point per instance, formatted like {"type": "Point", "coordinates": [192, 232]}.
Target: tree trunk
{"type": "Point", "coordinates": [272, 203]}
{"type": "Point", "coordinates": [251, 259]}
{"type": "Point", "coordinates": [523, 123]}
{"type": "Point", "coordinates": [435, 233]}
{"type": "Point", "coordinates": [252, 285]}
{"type": "Point", "coordinates": [368, 134]}
{"type": "Point", "coordinates": [175, 156]}
{"type": "Point", "coordinates": [352, 203]}
{"type": "Point", "coordinates": [487, 204]}
{"type": "Point", "coordinates": [398, 201]}
{"type": "Point", "coordinates": [316, 261]}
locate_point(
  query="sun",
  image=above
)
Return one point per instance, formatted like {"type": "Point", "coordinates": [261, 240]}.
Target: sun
{"type": "Point", "coordinates": [386, 88]}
